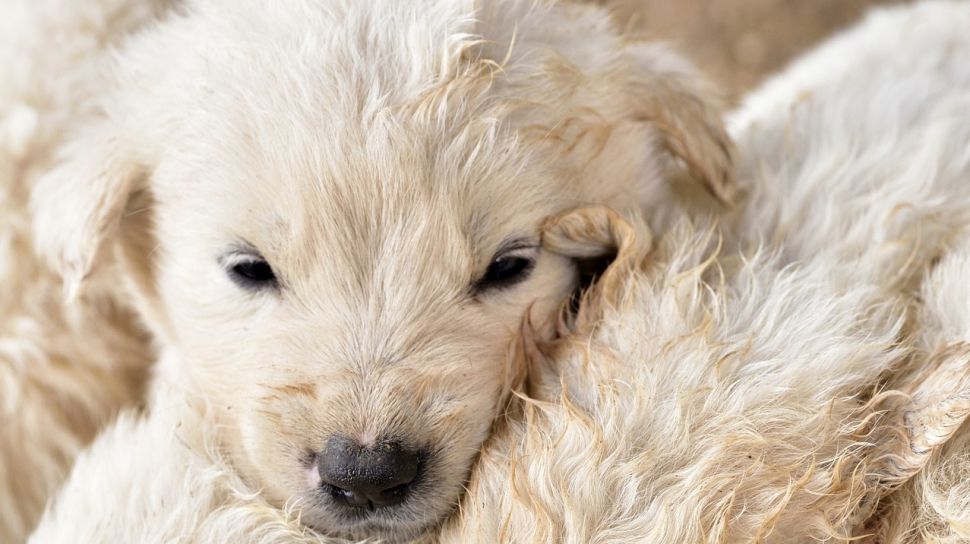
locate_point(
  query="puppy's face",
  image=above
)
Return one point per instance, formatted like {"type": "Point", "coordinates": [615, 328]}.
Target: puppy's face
{"type": "Point", "coordinates": [346, 301]}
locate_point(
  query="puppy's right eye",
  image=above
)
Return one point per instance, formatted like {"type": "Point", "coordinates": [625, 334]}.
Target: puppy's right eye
{"type": "Point", "coordinates": [251, 272]}
{"type": "Point", "coordinates": [509, 266]}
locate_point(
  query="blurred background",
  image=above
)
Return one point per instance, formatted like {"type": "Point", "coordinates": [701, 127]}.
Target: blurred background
{"type": "Point", "coordinates": [738, 42]}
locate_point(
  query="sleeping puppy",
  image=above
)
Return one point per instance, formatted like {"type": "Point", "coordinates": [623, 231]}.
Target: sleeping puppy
{"type": "Point", "coordinates": [328, 214]}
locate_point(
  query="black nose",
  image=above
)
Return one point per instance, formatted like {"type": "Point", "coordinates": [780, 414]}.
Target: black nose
{"type": "Point", "coordinates": [367, 477]}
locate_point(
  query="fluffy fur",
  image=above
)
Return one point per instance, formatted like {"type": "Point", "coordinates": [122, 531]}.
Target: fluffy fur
{"type": "Point", "coordinates": [380, 155]}
{"type": "Point", "coordinates": [776, 394]}
{"type": "Point", "coordinates": [65, 371]}
{"type": "Point", "coordinates": [934, 506]}
{"type": "Point", "coordinates": [778, 375]}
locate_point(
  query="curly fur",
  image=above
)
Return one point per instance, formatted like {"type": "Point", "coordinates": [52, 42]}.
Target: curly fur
{"type": "Point", "coordinates": [378, 154]}
{"type": "Point", "coordinates": [783, 387]}
{"type": "Point", "coordinates": [794, 372]}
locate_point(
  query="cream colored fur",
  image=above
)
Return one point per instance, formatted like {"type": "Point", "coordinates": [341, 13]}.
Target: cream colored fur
{"type": "Point", "coordinates": [379, 155]}
{"type": "Point", "coordinates": [783, 395]}
{"type": "Point", "coordinates": [64, 370]}
{"type": "Point", "coordinates": [934, 506]}
{"type": "Point", "coordinates": [778, 375]}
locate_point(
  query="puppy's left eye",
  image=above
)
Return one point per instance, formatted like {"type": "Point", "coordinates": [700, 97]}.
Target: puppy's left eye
{"type": "Point", "coordinates": [505, 271]}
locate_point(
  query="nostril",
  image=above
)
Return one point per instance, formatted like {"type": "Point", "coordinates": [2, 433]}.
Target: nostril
{"type": "Point", "coordinates": [394, 495]}
{"type": "Point", "coordinates": [370, 477]}
{"type": "Point", "coordinates": [348, 497]}
{"type": "Point", "coordinates": [397, 490]}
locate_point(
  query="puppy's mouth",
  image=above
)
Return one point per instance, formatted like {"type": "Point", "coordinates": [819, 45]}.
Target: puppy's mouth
{"type": "Point", "coordinates": [387, 524]}
{"type": "Point", "coordinates": [373, 525]}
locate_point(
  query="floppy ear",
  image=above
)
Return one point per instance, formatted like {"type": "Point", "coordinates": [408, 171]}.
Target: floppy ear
{"type": "Point", "coordinates": [669, 93]}
{"type": "Point", "coordinates": [607, 247]}
{"type": "Point", "coordinates": [78, 206]}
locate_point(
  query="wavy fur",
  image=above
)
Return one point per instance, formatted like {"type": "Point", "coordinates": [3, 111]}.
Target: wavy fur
{"type": "Point", "coordinates": [781, 374]}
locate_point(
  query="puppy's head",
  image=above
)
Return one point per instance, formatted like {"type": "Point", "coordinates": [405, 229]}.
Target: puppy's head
{"type": "Point", "coordinates": [339, 234]}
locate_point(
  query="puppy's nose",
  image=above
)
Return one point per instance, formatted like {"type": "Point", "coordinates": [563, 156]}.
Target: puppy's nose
{"type": "Point", "coordinates": [367, 477]}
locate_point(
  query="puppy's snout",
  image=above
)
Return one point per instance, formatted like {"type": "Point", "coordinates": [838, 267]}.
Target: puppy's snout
{"type": "Point", "coordinates": [367, 477]}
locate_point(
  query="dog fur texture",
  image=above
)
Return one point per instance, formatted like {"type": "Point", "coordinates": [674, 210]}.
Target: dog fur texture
{"type": "Point", "coordinates": [933, 506]}
{"type": "Point", "coordinates": [65, 371]}
{"type": "Point", "coordinates": [786, 385]}
{"type": "Point", "coordinates": [379, 154]}
{"type": "Point", "coordinates": [795, 372]}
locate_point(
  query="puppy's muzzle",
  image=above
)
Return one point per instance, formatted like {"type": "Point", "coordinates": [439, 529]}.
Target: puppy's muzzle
{"type": "Point", "coordinates": [355, 476]}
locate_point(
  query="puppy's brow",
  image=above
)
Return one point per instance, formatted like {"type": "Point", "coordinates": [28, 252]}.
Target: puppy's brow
{"type": "Point", "coordinates": [240, 247]}
{"type": "Point", "coordinates": [517, 243]}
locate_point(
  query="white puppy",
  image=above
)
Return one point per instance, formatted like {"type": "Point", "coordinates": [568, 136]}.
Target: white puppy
{"type": "Point", "coordinates": [330, 212]}
{"type": "Point", "coordinates": [701, 396]}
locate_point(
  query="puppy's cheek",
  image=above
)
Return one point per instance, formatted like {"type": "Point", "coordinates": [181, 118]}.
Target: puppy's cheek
{"type": "Point", "coordinates": [459, 437]}
{"type": "Point", "coordinates": [270, 449]}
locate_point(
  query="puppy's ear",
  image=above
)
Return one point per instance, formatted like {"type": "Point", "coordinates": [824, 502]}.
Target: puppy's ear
{"type": "Point", "coordinates": [671, 95]}
{"type": "Point", "coordinates": [78, 206]}
{"type": "Point", "coordinates": [607, 248]}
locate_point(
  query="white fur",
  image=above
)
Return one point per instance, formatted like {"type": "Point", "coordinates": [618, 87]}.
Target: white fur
{"type": "Point", "coordinates": [65, 371]}
{"type": "Point", "coordinates": [378, 155]}
{"type": "Point", "coordinates": [935, 505]}
{"type": "Point", "coordinates": [730, 401]}
{"type": "Point", "coordinates": [781, 388]}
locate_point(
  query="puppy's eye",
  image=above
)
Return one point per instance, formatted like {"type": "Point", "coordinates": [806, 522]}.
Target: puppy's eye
{"type": "Point", "coordinates": [505, 271]}
{"type": "Point", "coordinates": [251, 272]}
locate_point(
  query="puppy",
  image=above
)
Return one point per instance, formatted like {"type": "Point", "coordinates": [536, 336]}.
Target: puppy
{"type": "Point", "coordinates": [776, 383]}
{"type": "Point", "coordinates": [328, 213]}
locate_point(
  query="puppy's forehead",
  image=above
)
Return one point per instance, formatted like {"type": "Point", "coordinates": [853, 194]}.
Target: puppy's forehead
{"type": "Point", "coordinates": [403, 189]}
{"type": "Point", "coordinates": [335, 195]}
